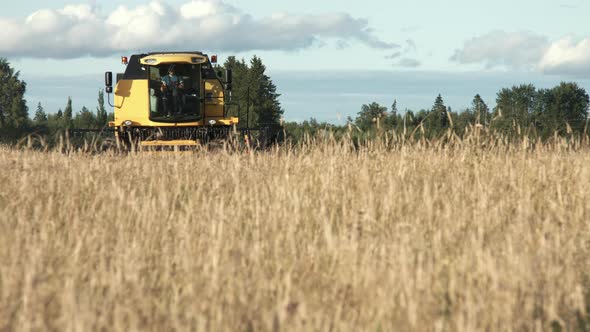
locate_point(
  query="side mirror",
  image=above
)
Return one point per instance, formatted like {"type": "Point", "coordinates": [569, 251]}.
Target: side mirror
{"type": "Point", "coordinates": [228, 79]}
{"type": "Point", "coordinates": [108, 81]}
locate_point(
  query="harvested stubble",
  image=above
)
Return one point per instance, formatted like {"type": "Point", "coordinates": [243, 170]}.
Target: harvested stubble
{"type": "Point", "coordinates": [314, 238]}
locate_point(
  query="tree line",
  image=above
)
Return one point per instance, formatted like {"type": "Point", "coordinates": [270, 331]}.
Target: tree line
{"type": "Point", "coordinates": [254, 99]}
{"type": "Point", "coordinates": [521, 109]}
{"type": "Point", "coordinates": [62, 120]}
{"type": "Point", "coordinates": [14, 113]}
{"type": "Point", "coordinates": [560, 110]}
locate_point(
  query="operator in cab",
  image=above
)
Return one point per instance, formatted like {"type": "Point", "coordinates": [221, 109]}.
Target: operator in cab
{"type": "Point", "coordinates": [171, 88]}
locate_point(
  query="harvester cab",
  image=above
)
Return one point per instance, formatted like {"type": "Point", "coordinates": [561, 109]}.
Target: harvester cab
{"type": "Point", "coordinates": [170, 99]}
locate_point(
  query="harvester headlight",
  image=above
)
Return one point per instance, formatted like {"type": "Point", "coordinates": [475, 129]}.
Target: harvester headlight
{"type": "Point", "coordinates": [212, 122]}
{"type": "Point", "coordinates": [128, 123]}
{"type": "Point", "coordinates": [150, 61]}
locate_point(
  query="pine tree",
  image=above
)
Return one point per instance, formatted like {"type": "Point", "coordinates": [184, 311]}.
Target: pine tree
{"type": "Point", "coordinates": [437, 120]}
{"type": "Point", "coordinates": [101, 112]}
{"type": "Point", "coordinates": [40, 116]}
{"type": "Point", "coordinates": [480, 110]}
{"type": "Point", "coordinates": [13, 109]}
{"type": "Point", "coordinates": [263, 91]}
{"type": "Point", "coordinates": [393, 119]}
{"type": "Point", "coordinates": [68, 115]}
{"type": "Point", "coordinates": [255, 92]}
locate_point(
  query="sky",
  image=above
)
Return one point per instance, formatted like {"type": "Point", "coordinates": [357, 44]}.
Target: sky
{"type": "Point", "coordinates": [326, 57]}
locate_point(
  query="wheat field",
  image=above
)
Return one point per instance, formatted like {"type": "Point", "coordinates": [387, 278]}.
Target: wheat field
{"type": "Point", "coordinates": [321, 237]}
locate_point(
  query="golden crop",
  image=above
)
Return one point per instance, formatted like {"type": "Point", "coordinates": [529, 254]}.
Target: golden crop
{"type": "Point", "coordinates": [316, 238]}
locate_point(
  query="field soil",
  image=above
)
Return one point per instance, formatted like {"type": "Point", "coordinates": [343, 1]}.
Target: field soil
{"type": "Point", "coordinates": [316, 238]}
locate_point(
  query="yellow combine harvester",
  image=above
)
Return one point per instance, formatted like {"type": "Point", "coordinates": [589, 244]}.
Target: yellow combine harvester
{"type": "Point", "coordinates": [170, 99]}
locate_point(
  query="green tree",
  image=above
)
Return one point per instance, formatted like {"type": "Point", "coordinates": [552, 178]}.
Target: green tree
{"type": "Point", "coordinates": [480, 111]}
{"type": "Point", "coordinates": [68, 118]}
{"type": "Point", "coordinates": [40, 118]}
{"type": "Point", "coordinates": [440, 111]}
{"type": "Point", "coordinates": [13, 109]}
{"type": "Point", "coordinates": [437, 119]}
{"type": "Point", "coordinates": [394, 107]}
{"type": "Point", "coordinates": [369, 115]}
{"type": "Point", "coordinates": [101, 112]}
{"type": "Point", "coordinates": [464, 119]}
{"type": "Point", "coordinates": [55, 122]}
{"type": "Point", "coordinates": [515, 106]}
{"type": "Point", "coordinates": [267, 107]}
{"type": "Point", "coordinates": [563, 105]}
{"type": "Point", "coordinates": [420, 117]}
{"type": "Point", "coordinates": [84, 119]}
{"type": "Point", "coordinates": [254, 90]}
{"type": "Point", "coordinates": [393, 119]}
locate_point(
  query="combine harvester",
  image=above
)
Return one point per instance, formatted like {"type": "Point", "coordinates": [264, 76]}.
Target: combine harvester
{"type": "Point", "coordinates": [174, 100]}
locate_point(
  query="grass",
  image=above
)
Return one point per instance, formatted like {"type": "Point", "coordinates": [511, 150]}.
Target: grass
{"type": "Point", "coordinates": [414, 236]}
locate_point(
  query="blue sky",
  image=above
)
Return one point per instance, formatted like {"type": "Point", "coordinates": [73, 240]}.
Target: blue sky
{"type": "Point", "coordinates": [340, 54]}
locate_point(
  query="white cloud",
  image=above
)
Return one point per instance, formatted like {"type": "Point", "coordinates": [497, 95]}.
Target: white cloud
{"type": "Point", "coordinates": [204, 8]}
{"type": "Point", "coordinates": [79, 30]}
{"type": "Point", "coordinates": [79, 12]}
{"type": "Point", "coordinates": [526, 50]}
{"type": "Point", "coordinates": [566, 56]}
{"type": "Point", "coordinates": [500, 48]}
